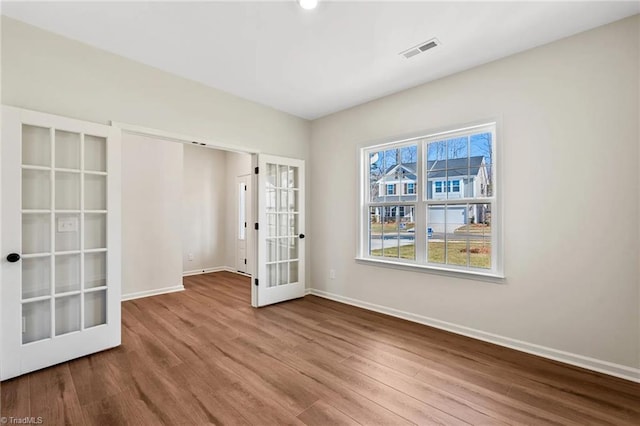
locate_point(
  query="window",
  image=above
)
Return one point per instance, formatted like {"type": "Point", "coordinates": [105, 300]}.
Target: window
{"type": "Point", "coordinates": [449, 220]}
{"type": "Point", "coordinates": [391, 189]}
{"type": "Point", "coordinates": [242, 220]}
{"type": "Point", "coordinates": [409, 188]}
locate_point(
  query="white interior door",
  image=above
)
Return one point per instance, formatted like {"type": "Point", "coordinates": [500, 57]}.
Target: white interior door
{"type": "Point", "coordinates": [281, 262]}
{"type": "Point", "coordinates": [242, 226]}
{"type": "Point", "coordinates": [60, 240]}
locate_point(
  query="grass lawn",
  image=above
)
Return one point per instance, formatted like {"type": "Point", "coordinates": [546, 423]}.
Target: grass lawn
{"type": "Point", "coordinates": [475, 228]}
{"type": "Point", "coordinates": [456, 253]}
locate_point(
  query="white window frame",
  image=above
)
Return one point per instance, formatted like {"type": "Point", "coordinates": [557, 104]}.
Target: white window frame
{"type": "Point", "coordinates": [493, 274]}
{"type": "Point", "coordinates": [390, 185]}
{"type": "Point", "coordinates": [407, 192]}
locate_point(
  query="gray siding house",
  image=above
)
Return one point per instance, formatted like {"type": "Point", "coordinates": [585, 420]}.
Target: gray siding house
{"type": "Point", "coordinates": [446, 180]}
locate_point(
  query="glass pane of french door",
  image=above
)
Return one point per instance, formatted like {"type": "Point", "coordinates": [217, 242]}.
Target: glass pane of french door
{"type": "Point", "coordinates": [282, 206]}
{"type": "Point", "coordinates": [64, 227]}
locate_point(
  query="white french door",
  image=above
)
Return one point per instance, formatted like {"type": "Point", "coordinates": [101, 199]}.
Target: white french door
{"type": "Point", "coordinates": [281, 260]}
{"type": "Point", "coordinates": [60, 240]}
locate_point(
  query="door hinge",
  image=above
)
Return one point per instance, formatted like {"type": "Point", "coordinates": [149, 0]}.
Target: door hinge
{"type": "Point", "coordinates": [245, 224]}
{"type": "Point", "coordinates": [245, 187]}
{"type": "Point", "coordinates": [257, 169]}
{"type": "Point", "coordinates": [245, 261]}
{"type": "Point", "coordinates": [256, 226]}
{"type": "Point", "coordinates": [255, 281]}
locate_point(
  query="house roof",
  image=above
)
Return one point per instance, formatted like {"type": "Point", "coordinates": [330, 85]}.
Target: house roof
{"type": "Point", "coordinates": [440, 168]}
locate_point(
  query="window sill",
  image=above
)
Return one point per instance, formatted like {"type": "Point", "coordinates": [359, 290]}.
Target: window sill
{"type": "Point", "coordinates": [497, 278]}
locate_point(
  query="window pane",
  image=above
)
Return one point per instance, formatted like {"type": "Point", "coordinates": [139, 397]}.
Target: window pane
{"type": "Point", "coordinates": [376, 173]}
{"type": "Point", "coordinates": [36, 233]}
{"type": "Point", "coordinates": [390, 171]}
{"type": "Point", "coordinates": [67, 232]}
{"type": "Point", "coordinates": [241, 210]}
{"type": "Point", "coordinates": [270, 199]}
{"type": "Point", "coordinates": [36, 277]}
{"type": "Point", "coordinates": [457, 181]}
{"type": "Point", "coordinates": [67, 273]}
{"type": "Point", "coordinates": [95, 308]}
{"type": "Point", "coordinates": [283, 172]}
{"type": "Point", "coordinates": [95, 192]}
{"type": "Point", "coordinates": [36, 190]}
{"type": "Point", "coordinates": [407, 232]}
{"type": "Point", "coordinates": [457, 234]}
{"type": "Point", "coordinates": [95, 228]}
{"type": "Point", "coordinates": [67, 150]}
{"type": "Point", "coordinates": [436, 155]}
{"type": "Point", "coordinates": [67, 314]}
{"type": "Point", "coordinates": [480, 235]}
{"type": "Point", "coordinates": [481, 151]}
{"type": "Point", "coordinates": [36, 320]}
{"type": "Point", "coordinates": [375, 230]}
{"type": "Point", "coordinates": [272, 175]}
{"type": "Point", "coordinates": [408, 183]}
{"type": "Point", "coordinates": [435, 234]}
{"type": "Point", "coordinates": [392, 231]}
{"type": "Point", "coordinates": [36, 146]}
{"type": "Point", "coordinates": [67, 191]}
{"type": "Point", "coordinates": [457, 150]}
{"type": "Point", "coordinates": [95, 270]}
{"type": "Point", "coordinates": [283, 273]}
{"type": "Point", "coordinates": [95, 153]}
{"type": "Point", "coordinates": [436, 188]}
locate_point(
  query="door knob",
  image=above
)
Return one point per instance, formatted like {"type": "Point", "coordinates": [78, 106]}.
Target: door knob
{"type": "Point", "coordinates": [13, 257]}
{"type": "Point", "coordinates": [301, 236]}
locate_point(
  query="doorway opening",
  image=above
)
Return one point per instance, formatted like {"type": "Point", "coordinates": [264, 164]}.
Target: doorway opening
{"type": "Point", "coordinates": [275, 247]}
{"type": "Point", "coordinates": [179, 212]}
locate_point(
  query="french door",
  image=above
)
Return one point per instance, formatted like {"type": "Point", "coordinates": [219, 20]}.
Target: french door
{"type": "Point", "coordinates": [281, 260]}
{"type": "Point", "coordinates": [60, 240]}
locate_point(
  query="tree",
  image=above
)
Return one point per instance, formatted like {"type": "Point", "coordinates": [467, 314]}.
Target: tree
{"type": "Point", "coordinates": [482, 144]}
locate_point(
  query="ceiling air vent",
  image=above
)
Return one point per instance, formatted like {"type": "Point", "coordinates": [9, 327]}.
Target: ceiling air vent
{"type": "Point", "coordinates": [422, 47]}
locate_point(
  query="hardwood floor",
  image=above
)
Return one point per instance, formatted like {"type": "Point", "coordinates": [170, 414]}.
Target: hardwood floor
{"type": "Point", "coordinates": [204, 356]}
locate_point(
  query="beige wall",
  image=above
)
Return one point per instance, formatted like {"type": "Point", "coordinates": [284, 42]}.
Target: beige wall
{"type": "Point", "coordinates": [204, 213]}
{"type": "Point", "coordinates": [569, 132]}
{"type": "Point", "coordinates": [210, 206]}
{"type": "Point", "coordinates": [46, 72]}
{"type": "Point", "coordinates": [151, 214]}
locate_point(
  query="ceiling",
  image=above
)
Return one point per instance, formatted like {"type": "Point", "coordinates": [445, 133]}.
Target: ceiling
{"type": "Point", "coordinates": [312, 63]}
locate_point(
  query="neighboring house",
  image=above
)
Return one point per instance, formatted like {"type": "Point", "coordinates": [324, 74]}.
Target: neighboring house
{"type": "Point", "coordinates": [451, 179]}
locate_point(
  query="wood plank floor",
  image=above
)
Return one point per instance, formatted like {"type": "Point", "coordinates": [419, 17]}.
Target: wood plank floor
{"type": "Point", "coordinates": [204, 356]}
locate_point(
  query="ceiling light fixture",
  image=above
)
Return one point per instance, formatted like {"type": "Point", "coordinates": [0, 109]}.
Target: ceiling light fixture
{"type": "Point", "coordinates": [308, 4]}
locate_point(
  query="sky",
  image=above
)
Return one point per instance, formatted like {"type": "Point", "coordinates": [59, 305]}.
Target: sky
{"type": "Point", "coordinates": [461, 147]}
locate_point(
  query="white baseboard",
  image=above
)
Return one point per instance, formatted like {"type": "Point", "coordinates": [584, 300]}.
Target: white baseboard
{"type": "Point", "coordinates": [214, 269]}
{"type": "Point", "coordinates": [617, 370]}
{"type": "Point", "coordinates": [154, 292]}
{"type": "Point", "coordinates": [206, 271]}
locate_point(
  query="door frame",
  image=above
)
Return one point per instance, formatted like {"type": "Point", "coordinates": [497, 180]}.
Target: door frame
{"type": "Point", "coordinates": [248, 253]}
{"type": "Point", "coordinates": [134, 129]}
